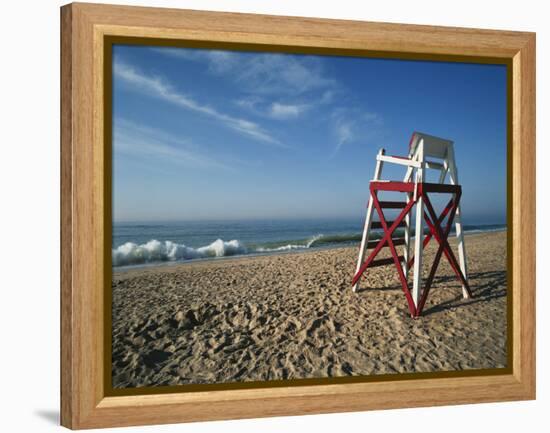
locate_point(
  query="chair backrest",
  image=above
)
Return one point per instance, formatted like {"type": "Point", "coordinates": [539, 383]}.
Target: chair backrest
{"type": "Point", "coordinates": [433, 147]}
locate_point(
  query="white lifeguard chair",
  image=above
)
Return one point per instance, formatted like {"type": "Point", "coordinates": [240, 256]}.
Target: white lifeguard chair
{"type": "Point", "coordinates": [425, 152]}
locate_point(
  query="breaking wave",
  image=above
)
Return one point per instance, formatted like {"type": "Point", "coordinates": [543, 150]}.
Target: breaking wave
{"type": "Point", "coordinates": [157, 251]}
{"type": "Point", "coordinates": [167, 251]}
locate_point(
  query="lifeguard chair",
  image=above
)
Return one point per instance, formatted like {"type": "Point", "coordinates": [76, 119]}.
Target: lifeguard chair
{"type": "Point", "coordinates": [426, 152]}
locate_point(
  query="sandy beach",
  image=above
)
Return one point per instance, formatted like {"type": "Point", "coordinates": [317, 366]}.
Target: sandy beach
{"type": "Point", "coordinates": [292, 316]}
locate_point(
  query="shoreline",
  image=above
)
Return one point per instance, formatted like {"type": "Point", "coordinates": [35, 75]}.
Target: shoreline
{"type": "Point", "coordinates": [169, 264]}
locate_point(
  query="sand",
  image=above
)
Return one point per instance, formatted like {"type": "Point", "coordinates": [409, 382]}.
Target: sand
{"type": "Point", "coordinates": [292, 316]}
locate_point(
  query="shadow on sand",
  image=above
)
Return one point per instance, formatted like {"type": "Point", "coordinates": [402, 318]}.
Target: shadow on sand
{"type": "Point", "coordinates": [485, 286]}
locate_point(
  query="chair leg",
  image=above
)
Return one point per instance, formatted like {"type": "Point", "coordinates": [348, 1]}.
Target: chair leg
{"type": "Point", "coordinates": [453, 175]}
{"type": "Point", "coordinates": [368, 219]}
{"type": "Point", "coordinates": [461, 251]}
{"type": "Point", "coordinates": [418, 241]}
{"type": "Point", "coordinates": [407, 246]}
{"type": "Point", "coordinates": [364, 242]}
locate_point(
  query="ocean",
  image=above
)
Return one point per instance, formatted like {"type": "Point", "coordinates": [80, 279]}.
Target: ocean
{"type": "Point", "coordinates": [140, 243]}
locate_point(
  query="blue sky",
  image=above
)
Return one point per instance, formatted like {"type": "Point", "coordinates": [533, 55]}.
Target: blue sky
{"type": "Point", "coordinates": [202, 134]}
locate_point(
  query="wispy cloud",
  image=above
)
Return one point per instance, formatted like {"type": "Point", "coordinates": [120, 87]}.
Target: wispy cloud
{"type": "Point", "coordinates": [261, 73]}
{"type": "Point", "coordinates": [286, 111]}
{"type": "Point", "coordinates": [280, 73]}
{"type": "Point", "coordinates": [352, 124]}
{"type": "Point", "coordinates": [274, 110]}
{"type": "Point", "coordinates": [250, 102]}
{"type": "Point", "coordinates": [344, 133]}
{"type": "Point", "coordinates": [218, 61]}
{"type": "Point", "coordinates": [286, 87]}
{"type": "Point", "coordinates": [160, 88]}
{"type": "Point", "coordinates": [132, 139]}
{"type": "Point", "coordinates": [327, 97]}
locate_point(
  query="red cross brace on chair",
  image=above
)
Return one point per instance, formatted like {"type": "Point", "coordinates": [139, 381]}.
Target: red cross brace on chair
{"type": "Point", "coordinates": [436, 231]}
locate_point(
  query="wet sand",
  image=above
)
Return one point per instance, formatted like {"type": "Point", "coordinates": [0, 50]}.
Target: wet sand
{"type": "Point", "coordinates": [294, 316]}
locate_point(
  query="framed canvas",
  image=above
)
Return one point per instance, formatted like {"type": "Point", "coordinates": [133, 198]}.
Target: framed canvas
{"type": "Point", "coordinates": [227, 244]}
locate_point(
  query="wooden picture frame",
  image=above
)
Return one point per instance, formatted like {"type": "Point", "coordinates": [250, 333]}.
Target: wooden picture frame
{"type": "Point", "coordinates": [86, 29]}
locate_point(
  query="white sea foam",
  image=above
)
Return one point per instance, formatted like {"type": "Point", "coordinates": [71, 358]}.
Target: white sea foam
{"type": "Point", "coordinates": [157, 251]}
{"type": "Point", "coordinates": [290, 247]}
